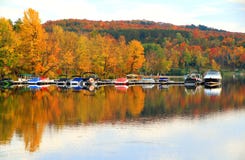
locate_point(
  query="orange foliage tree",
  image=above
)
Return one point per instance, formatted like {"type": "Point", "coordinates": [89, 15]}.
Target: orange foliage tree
{"type": "Point", "coordinates": [135, 56]}
{"type": "Point", "coordinates": [33, 43]}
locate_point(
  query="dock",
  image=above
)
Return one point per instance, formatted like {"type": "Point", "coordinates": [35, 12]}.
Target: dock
{"type": "Point", "coordinates": [103, 82]}
{"type": "Point", "coordinates": [171, 80]}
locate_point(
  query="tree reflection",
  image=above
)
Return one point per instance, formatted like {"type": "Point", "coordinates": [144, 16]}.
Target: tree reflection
{"type": "Point", "coordinates": [26, 112]}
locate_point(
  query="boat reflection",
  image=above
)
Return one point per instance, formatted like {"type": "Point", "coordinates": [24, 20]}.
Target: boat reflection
{"type": "Point", "coordinates": [122, 88]}
{"type": "Point", "coordinates": [147, 86]}
{"type": "Point", "coordinates": [192, 90]}
{"type": "Point", "coordinates": [212, 91]}
{"type": "Point", "coordinates": [90, 88]}
{"type": "Point", "coordinates": [163, 86]}
{"type": "Point", "coordinates": [37, 87]}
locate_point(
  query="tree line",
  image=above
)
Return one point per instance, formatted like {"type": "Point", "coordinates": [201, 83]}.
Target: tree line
{"type": "Point", "coordinates": [113, 49]}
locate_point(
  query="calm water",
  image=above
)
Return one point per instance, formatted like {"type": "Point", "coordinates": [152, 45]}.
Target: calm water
{"type": "Point", "coordinates": [149, 122]}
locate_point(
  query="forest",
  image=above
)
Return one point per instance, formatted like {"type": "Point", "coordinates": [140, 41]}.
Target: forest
{"type": "Point", "coordinates": [114, 48]}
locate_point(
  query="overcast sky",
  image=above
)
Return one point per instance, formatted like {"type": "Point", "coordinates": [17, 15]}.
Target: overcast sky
{"type": "Point", "coordinates": [221, 14]}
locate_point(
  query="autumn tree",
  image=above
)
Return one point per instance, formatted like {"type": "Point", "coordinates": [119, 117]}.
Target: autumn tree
{"type": "Point", "coordinates": [33, 43]}
{"type": "Point", "coordinates": [7, 46]}
{"type": "Point", "coordinates": [83, 59]}
{"type": "Point", "coordinates": [66, 44]}
{"type": "Point", "coordinates": [50, 58]}
{"type": "Point", "coordinates": [121, 56]}
{"type": "Point", "coordinates": [214, 65]}
{"type": "Point", "coordinates": [156, 60]}
{"type": "Point", "coordinates": [135, 57]}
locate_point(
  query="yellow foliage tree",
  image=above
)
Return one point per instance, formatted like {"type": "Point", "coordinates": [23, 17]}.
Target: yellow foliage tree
{"type": "Point", "coordinates": [135, 57]}
{"type": "Point", "coordinates": [214, 65]}
{"type": "Point", "coordinates": [83, 60]}
{"type": "Point", "coordinates": [66, 44]}
{"type": "Point", "coordinates": [7, 44]}
{"type": "Point", "coordinates": [33, 43]}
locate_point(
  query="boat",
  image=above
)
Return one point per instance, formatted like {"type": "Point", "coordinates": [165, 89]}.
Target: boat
{"type": "Point", "coordinates": [24, 78]}
{"type": "Point", "coordinates": [75, 81]}
{"type": "Point", "coordinates": [121, 81]}
{"type": "Point", "coordinates": [33, 80]}
{"type": "Point", "coordinates": [39, 80]}
{"type": "Point", "coordinates": [193, 79]}
{"type": "Point", "coordinates": [163, 79]}
{"type": "Point", "coordinates": [147, 80]}
{"type": "Point", "coordinates": [90, 77]}
{"type": "Point", "coordinates": [212, 78]}
{"type": "Point", "coordinates": [5, 82]}
{"type": "Point", "coordinates": [133, 77]}
{"type": "Point", "coordinates": [61, 82]}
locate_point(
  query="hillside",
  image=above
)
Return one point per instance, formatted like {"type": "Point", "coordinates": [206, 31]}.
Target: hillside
{"type": "Point", "coordinates": [145, 31]}
{"type": "Point", "coordinates": [167, 47]}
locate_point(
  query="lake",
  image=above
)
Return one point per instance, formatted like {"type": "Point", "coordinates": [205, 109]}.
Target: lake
{"type": "Point", "coordinates": [149, 122]}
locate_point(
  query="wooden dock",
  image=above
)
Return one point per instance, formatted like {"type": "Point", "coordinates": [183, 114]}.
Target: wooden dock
{"type": "Point", "coordinates": [105, 83]}
{"type": "Point", "coordinates": [141, 83]}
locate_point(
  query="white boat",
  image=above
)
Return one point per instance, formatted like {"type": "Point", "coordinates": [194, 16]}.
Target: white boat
{"type": "Point", "coordinates": [147, 81]}
{"type": "Point", "coordinates": [212, 78]}
{"type": "Point", "coordinates": [133, 77]}
{"type": "Point", "coordinates": [24, 78]}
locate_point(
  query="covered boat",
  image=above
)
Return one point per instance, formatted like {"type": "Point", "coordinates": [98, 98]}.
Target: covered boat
{"type": "Point", "coordinates": [163, 79]}
{"type": "Point", "coordinates": [212, 78]}
{"type": "Point", "coordinates": [75, 81]}
{"type": "Point", "coordinates": [39, 80]}
{"type": "Point", "coordinates": [147, 80]}
{"type": "Point", "coordinates": [24, 78]}
{"type": "Point", "coordinates": [193, 79]}
{"type": "Point", "coordinates": [121, 81]}
{"type": "Point", "coordinates": [90, 77]}
{"type": "Point", "coordinates": [5, 82]}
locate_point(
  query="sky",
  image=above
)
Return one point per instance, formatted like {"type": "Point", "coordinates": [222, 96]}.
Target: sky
{"type": "Point", "coordinates": [228, 15]}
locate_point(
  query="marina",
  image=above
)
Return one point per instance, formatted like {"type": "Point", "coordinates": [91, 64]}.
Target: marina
{"type": "Point", "coordinates": [75, 81]}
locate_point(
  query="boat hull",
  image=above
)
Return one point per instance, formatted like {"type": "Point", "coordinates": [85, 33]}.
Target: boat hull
{"type": "Point", "coordinates": [121, 81]}
{"type": "Point", "coordinates": [190, 82]}
{"type": "Point", "coordinates": [211, 82]}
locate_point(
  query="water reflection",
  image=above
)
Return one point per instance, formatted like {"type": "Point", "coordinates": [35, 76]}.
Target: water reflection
{"type": "Point", "coordinates": [213, 91]}
{"type": "Point", "coordinates": [26, 111]}
{"type": "Point", "coordinates": [147, 86]}
{"type": "Point", "coordinates": [192, 90]}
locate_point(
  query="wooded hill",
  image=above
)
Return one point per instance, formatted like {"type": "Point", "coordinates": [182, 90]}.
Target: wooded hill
{"type": "Point", "coordinates": [145, 31]}
{"type": "Point", "coordinates": [114, 48]}
{"type": "Point", "coordinates": [217, 48]}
